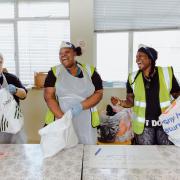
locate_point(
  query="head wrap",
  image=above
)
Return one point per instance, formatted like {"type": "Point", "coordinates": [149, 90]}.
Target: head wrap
{"type": "Point", "coordinates": [151, 52]}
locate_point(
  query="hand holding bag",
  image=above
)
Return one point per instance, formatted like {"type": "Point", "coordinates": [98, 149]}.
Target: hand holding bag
{"type": "Point", "coordinates": [11, 117]}
{"type": "Point", "coordinates": [58, 135]}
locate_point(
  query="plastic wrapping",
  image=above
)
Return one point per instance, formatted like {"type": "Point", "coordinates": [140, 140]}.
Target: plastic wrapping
{"type": "Point", "coordinates": [115, 128]}
{"type": "Point", "coordinates": [58, 135]}
{"type": "Point", "coordinates": [11, 117]}
{"type": "Point", "coordinates": [170, 120]}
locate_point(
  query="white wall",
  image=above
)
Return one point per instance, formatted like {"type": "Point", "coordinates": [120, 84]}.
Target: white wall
{"type": "Point", "coordinates": [82, 28]}
{"type": "Point", "coordinates": [81, 23]}
{"type": "Point", "coordinates": [34, 109]}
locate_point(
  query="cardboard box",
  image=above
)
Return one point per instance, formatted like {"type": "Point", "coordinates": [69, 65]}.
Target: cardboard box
{"type": "Point", "coordinates": [39, 79]}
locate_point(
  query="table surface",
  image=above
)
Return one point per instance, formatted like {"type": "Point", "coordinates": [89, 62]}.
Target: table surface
{"type": "Point", "coordinates": [111, 162]}
{"type": "Point", "coordinates": [25, 162]}
{"type": "Point", "coordinates": [123, 162]}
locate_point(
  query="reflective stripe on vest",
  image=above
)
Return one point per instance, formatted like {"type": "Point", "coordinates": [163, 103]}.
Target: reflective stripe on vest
{"type": "Point", "coordinates": [165, 78]}
{"type": "Point", "coordinates": [95, 121]}
{"type": "Point", "coordinates": [165, 104]}
{"type": "Point", "coordinates": [140, 104]}
{"type": "Point", "coordinates": [165, 85]}
{"type": "Point", "coordinates": [139, 119]}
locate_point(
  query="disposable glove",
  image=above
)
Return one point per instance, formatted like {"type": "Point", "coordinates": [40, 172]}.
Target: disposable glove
{"type": "Point", "coordinates": [12, 89]}
{"type": "Point", "coordinates": [76, 109]}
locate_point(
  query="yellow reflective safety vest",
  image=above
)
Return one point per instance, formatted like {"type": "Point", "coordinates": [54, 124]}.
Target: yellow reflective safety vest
{"type": "Point", "coordinates": [139, 108]}
{"type": "Point", "coordinates": [95, 121]}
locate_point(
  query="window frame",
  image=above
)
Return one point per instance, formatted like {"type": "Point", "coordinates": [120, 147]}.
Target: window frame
{"type": "Point", "coordinates": [122, 84]}
{"type": "Point", "coordinates": [17, 19]}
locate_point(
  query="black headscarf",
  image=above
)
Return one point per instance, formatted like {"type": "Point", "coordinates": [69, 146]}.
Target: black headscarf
{"type": "Point", "coordinates": [151, 52]}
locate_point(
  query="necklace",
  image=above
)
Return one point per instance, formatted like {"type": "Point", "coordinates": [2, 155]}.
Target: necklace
{"type": "Point", "coordinates": [150, 76]}
{"type": "Point", "coordinates": [147, 78]}
{"type": "Point", "coordinates": [147, 81]}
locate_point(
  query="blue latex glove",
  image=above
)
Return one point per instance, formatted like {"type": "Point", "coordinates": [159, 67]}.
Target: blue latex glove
{"type": "Point", "coordinates": [76, 109]}
{"type": "Point", "coordinates": [12, 89]}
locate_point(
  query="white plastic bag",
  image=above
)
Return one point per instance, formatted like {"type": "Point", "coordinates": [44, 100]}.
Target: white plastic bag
{"type": "Point", "coordinates": [170, 120]}
{"type": "Point", "coordinates": [11, 117]}
{"type": "Point", "coordinates": [58, 135]}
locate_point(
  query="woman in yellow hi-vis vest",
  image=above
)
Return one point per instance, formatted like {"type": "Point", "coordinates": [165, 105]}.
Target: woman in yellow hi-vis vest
{"type": "Point", "coordinates": [149, 92]}
{"type": "Point", "coordinates": [76, 87]}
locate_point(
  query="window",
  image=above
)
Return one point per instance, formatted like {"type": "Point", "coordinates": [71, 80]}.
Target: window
{"type": "Point", "coordinates": [29, 8]}
{"type": "Point", "coordinates": [30, 35]}
{"type": "Point", "coordinates": [155, 23]}
{"type": "Point", "coordinates": [7, 45]}
{"type": "Point", "coordinates": [134, 15]}
{"type": "Point", "coordinates": [112, 56]}
{"type": "Point", "coordinates": [39, 43]}
{"type": "Point", "coordinates": [113, 52]}
{"type": "Point", "coordinates": [167, 43]}
{"type": "Point", "coordinates": [6, 9]}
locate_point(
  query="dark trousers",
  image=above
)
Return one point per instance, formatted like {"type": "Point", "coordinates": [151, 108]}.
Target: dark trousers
{"type": "Point", "coordinates": [152, 136]}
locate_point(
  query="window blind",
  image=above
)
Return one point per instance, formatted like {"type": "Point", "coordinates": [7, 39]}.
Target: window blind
{"type": "Point", "coordinates": [7, 46]}
{"type": "Point", "coordinates": [126, 15]}
{"type": "Point", "coordinates": [43, 8]}
{"type": "Point", "coordinates": [39, 44]}
{"type": "Point", "coordinates": [30, 35]}
{"type": "Point", "coordinates": [6, 9]}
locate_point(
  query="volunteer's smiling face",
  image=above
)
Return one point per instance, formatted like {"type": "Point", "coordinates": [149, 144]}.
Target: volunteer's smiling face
{"type": "Point", "coordinates": [67, 57]}
{"type": "Point", "coordinates": [143, 61]}
{"type": "Point", "coordinates": [1, 65]}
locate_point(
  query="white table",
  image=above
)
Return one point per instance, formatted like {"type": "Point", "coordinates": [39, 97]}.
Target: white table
{"type": "Point", "coordinates": [25, 162]}
{"type": "Point", "coordinates": [115, 162]}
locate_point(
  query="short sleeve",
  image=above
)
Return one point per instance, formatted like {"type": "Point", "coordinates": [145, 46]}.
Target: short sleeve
{"type": "Point", "coordinates": [128, 87]}
{"type": "Point", "coordinates": [97, 81]}
{"type": "Point", "coordinates": [50, 79]}
{"type": "Point", "coordinates": [175, 85]}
